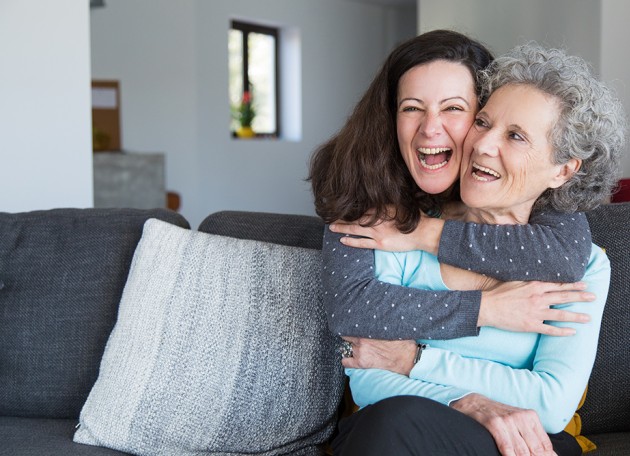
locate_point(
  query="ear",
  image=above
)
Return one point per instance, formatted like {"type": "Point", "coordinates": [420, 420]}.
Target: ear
{"type": "Point", "coordinates": [565, 172]}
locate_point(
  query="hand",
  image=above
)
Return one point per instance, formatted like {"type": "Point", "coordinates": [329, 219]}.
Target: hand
{"type": "Point", "coordinates": [516, 431]}
{"type": "Point", "coordinates": [384, 235]}
{"type": "Point", "coordinates": [392, 355]}
{"type": "Point", "coordinates": [525, 306]}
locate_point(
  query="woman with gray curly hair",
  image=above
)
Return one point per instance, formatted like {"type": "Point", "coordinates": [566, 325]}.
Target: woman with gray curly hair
{"type": "Point", "coordinates": [548, 137]}
{"type": "Point", "coordinates": [591, 123]}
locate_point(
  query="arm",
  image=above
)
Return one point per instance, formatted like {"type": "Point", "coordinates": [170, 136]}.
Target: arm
{"type": "Point", "coordinates": [554, 247]}
{"type": "Point", "coordinates": [353, 295]}
{"type": "Point", "coordinates": [560, 370]}
{"type": "Point", "coordinates": [511, 427]}
{"type": "Point", "coordinates": [369, 386]}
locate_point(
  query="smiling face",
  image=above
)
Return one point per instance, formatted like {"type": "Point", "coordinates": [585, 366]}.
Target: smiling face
{"type": "Point", "coordinates": [436, 107]}
{"type": "Point", "coordinates": [507, 161]}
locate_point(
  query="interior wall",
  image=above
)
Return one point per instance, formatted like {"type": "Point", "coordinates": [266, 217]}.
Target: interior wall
{"type": "Point", "coordinates": [570, 24]}
{"type": "Point", "coordinates": [171, 60]}
{"type": "Point", "coordinates": [45, 110]}
{"type": "Point", "coordinates": [615, 67]}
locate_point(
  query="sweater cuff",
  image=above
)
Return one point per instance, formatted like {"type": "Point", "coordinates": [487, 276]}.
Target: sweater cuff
{"type": "Point", "coordinates": [430, 357]}
{"type": "Point", "coordinates": [469, 307]}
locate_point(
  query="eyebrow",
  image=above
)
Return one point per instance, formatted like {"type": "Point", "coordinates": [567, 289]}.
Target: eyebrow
{"type": "Point", "coordinates": [463, 100]}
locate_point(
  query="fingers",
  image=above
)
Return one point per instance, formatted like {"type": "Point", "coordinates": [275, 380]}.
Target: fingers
{"type": "Point", "coordinates": [361, 243]}
{"type": "Point", "coordinates": [536, 440]}
{"type": "Point", "coordinates": [520, 434]}
{"type": "Point", "coordinates": [556, 331]}
{"type": "Point", "coordinates": [566, 316]}
{"type": "Point", "coordinates": [553, 286]}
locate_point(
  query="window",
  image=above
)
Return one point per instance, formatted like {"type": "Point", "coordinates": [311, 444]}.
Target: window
{"type": "Point", "coordinates": [253, 67]}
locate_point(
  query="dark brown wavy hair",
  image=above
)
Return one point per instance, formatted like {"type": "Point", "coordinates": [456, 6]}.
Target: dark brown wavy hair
{"type": "Point", "coordinates": [361, 167]}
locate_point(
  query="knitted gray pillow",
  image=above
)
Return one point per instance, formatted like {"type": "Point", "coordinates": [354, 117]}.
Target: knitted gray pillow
{"type": "Point", "coordinates": [221, 348]}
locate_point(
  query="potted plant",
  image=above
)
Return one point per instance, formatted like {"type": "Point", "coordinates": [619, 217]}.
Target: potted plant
{"type": "Point", "coordinates": [245, 114]}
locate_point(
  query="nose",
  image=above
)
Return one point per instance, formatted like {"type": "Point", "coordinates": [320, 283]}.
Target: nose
{"type": "Point", "coordinates": [431, 124]}
{"type": "Point", "coordinates": [486, 143]}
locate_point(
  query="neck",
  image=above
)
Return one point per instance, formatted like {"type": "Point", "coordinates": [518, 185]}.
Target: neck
{"type": "Point", "coordinates": [510, 217]}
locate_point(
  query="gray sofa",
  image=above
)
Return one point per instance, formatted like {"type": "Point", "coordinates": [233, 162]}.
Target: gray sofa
{"type": "Point", "coordinates": [62, 273]}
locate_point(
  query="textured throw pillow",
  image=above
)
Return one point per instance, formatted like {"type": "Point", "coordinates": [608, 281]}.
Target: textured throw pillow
{"type": "Point", "coordinates": [221, 347]}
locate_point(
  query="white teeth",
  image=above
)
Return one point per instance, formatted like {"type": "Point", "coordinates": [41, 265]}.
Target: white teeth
{"type": "Point", "coordinates": [436, 166]}
{"type": "Point", "coordinates": [485, 170]}
{"type": "Point", "coordinates": [432, 150]}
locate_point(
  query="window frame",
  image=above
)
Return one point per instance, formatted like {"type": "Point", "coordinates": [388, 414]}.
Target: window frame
{"type": "Point", "coordinates": [248, 27]}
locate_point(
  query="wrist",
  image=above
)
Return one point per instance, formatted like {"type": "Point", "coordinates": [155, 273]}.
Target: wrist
{"type": "Point", "coordinates": [429, 233]}
{"type": "Point", "coordinates": [483, 319]}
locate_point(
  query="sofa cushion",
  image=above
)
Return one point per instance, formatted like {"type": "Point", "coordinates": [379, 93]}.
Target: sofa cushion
{"type": "Point", "coordinates": [44, 437]}
{"type": "Point", "coordinates": [62, 273]}
{"type": "Point", "coordinates": [221, 346]}
{"type": "Point", "coordinates": [606, 407]}
{"type": "Point", "coordinates": [610, 444]}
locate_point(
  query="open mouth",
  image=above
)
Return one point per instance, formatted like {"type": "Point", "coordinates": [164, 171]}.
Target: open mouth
{"type": "Point", "coordinates": [481, 173]}
{"type": "Point", "coordinates": [434, 157]}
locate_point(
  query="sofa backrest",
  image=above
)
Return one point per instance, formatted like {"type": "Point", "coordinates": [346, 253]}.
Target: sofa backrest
{"type": "Point", "coordinates": [62, 273]}
{"type": "Point", "coordinates": [607, 405]}
{"type": "Point", "coordinates": [285, 229]}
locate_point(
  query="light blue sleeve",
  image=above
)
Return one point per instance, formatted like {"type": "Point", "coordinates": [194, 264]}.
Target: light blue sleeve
{"type": "Point", "coordinates": [369, 386]}
{"type": "Point", "coordinates": [561, 366]}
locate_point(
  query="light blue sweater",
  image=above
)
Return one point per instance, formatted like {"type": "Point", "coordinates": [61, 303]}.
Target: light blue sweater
{"type": "Point", "coordinates": [544, 373]}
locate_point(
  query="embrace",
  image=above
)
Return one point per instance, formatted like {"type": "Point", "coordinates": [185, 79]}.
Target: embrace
{"type": "Point", "coordinates": [471, 327]}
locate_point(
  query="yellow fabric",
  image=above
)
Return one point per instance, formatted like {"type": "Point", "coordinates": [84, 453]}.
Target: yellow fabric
{"type": "Point", "coordinates": [575, 428]}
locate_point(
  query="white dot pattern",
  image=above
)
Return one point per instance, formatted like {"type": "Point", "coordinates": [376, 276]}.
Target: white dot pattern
{"type": "Point", "coordinates": [533, 252]}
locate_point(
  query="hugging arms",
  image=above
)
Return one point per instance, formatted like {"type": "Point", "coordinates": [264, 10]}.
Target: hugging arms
{"type": "Point", "coordinates": [554, 247]}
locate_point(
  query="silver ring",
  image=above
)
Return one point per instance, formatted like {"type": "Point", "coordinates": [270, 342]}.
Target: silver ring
{"type": "Point", "coordinates": [346, 349]}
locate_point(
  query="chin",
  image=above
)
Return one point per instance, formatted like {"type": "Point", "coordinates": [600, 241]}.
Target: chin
{"type": "Point", "coordinates": [436, 187]}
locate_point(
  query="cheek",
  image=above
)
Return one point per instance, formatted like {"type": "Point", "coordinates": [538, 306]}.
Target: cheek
{"type": "Point", "coordinates": [459, 131]}
{"type": "Point", "coordinates": [525, 180]}
{"type": "Point", "coordinates": [403, 130]}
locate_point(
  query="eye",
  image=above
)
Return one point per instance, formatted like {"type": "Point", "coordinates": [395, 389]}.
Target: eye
{"type": "Point", "coordinates": [516, 136]}
{"type": "Point", "coordinates": [410, 108]}
{"type": "Point", "coordinates": [454, 108]}
{"type": "Point", "coordinates": [480, 123]}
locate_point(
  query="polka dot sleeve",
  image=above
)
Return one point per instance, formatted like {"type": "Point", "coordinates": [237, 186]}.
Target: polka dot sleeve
{"type": "Point", "coordinates": [554, 247]}
{"type": "Point", "coordinates": [357, 304]}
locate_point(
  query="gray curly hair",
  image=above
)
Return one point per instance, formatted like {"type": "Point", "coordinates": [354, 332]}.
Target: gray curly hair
{"type": "Point", "coordinates": [591, 125]}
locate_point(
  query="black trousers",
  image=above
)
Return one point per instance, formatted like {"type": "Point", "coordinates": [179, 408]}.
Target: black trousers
{"type": "Point", "coordinates": [414, 426]}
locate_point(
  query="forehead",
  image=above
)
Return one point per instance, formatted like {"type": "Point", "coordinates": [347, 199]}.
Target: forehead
{"type": "Point", "coordinates": [524, 105]}
{"type": "Point", "coordinates": [439, 75]}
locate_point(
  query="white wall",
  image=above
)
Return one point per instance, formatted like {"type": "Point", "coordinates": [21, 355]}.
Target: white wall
{"type": "Point", "coordinates": [594, 29]}
{"type": "Point", "coordinates": [171, 60]}
{"type": "Point", "coordinates": [615, 65]}
{"type": "Point", "coordinates": [502, 24]}
{"type": "Point", "coordinates": [46, 144]}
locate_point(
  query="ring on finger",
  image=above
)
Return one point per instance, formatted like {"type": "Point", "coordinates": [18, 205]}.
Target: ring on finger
{"type": "Point", "coordinates": [346, 349]}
